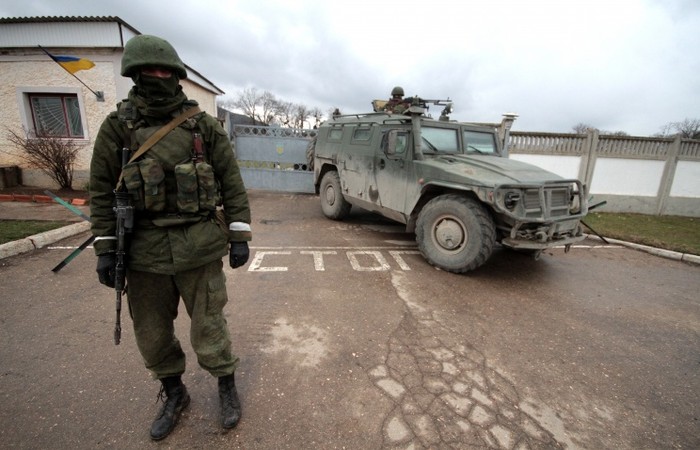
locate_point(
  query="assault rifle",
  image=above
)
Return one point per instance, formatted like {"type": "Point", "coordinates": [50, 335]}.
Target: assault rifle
{"type": "Point", "coordinates": [124, 213]}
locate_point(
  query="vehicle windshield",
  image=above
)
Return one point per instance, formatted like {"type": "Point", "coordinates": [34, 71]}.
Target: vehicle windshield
{"type": "Point", "coordinates": [439, 140]}
{"type": "Point", "coordinates": [479, 142]}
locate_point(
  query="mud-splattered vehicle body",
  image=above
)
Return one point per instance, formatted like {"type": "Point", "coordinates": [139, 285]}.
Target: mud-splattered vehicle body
{"type": "Point", "coordinates": [447, 181]}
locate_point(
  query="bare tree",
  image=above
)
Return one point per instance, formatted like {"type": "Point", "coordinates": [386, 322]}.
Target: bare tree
{"type": "Point", "coordinates": [247, 101]}
{"type": "Point", "coordinates": [53, 155]}
{"type": "Point", "coordinates": [301, 113]}
{"type": "Point", "coordinates": [665, 131]}
{"type": "Point", "coordinates": [268, 108]}
{"type": "Point", "coordinates": [318, 117]}
{"type": "Point", "coordinates": [285, 113]}
{"type": "Point", "coordinates": [265, 109]}
{"type": "Point", "coordinates": [582, 128]}
{"type": "Point", "coordinates": [687, 128]}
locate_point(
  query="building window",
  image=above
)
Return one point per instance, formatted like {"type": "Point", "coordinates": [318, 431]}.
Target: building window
{"type": "Point", "coordinates": [56, 115]}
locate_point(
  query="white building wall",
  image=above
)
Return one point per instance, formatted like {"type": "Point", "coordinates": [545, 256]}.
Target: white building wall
{"type": "Point", "coordinates": [24, 69]}
{"type": "Point", "coordinates": [207, 101]}
{"type": "Point", "coordinates": [24, 77]}
{"type": "Point", "coordinates": [38, 73]}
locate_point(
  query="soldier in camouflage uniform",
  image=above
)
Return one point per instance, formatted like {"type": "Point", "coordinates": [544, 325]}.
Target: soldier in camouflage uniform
{"type": "Point", "coordinates": [176, 247]}
{"type": "Point", "coordinates": [397, 104]}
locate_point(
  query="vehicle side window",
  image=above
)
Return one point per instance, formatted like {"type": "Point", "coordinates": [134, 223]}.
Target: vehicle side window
{"type": "Point", "coordinates": [439, 140]}
{"type": "Point", "coordinates": [362, 134]}
{"type": "Point", "coordinates": [475, 141]}
{"type": "Point", "coordinates": [335, 134]}
{"type": "Point", "coordinates": [400, 143]}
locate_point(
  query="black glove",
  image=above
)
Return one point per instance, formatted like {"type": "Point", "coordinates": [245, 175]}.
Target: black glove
{"type": "Point", "coordinates": [238, 254]}
{"type": "Point", "coordinates": [106, 268]}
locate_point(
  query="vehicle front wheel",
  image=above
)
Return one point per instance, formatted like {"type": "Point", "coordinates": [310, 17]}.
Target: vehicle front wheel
{"type": "Point", "coordinates": [333, 203]}
{"type": "Point", "coordinates": [455, 233]}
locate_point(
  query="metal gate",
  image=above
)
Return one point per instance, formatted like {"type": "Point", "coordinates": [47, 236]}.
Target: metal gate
{"type": "Point", "coordinates": [274, 158]}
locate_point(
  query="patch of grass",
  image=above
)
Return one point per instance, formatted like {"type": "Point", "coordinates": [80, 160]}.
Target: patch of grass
{"type": "Point", "coordinates": [12, 230]}
{"type": "Point", "coordinates": [681, 234]}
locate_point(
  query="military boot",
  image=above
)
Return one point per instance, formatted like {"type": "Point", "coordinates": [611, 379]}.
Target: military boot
{"type": "Point", "coordinates": [230, 405]}
{"type": "Point", "coordinates": [175, 398]}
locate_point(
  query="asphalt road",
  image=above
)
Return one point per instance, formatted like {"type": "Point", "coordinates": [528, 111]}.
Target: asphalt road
{"type": "Point", "coordinates": [348, 339]}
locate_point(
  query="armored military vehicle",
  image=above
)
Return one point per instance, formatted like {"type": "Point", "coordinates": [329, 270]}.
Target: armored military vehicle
{"type": "Point", "coordinates": [447, 181]}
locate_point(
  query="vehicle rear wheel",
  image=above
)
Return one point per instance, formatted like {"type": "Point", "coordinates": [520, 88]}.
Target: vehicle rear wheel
{"type": "Point", "coordinates": [333, 203]}
{"type": "Point", "coordinates": [455, 233]}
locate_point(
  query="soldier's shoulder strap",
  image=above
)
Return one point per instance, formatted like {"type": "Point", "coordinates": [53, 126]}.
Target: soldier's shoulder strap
{"type": "Point", "coordinates": [128, 116]}
{"type": "Point", "coordinates": [127, 113]}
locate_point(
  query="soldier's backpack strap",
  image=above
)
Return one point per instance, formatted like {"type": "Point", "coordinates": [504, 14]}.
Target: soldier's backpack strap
{"type": "Point", "coordinates": [158, 135]}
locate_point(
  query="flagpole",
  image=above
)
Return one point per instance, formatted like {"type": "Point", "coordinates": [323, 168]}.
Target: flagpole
{"type": "Point", "coordinates": [99, 94]}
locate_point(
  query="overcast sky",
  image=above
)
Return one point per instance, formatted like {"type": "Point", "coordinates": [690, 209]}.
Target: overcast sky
{"type": "Point", "coordinates": [618, 65]}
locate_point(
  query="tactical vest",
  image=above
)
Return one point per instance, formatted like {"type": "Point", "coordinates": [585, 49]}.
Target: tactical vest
{"type": "Point", "coordinates": [172, 182]}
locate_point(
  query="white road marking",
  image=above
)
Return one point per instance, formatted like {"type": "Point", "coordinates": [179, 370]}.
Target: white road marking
{"type": "Point", "coordinates": [361, 258]}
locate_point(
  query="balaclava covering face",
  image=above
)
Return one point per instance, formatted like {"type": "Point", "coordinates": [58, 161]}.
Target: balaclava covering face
{"type": "Point", "coordinates": [157, 97]}
{"type": "Point", "coordinates": [155, 88]}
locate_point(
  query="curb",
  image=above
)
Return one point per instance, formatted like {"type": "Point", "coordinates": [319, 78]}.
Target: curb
{"type": "Point", "coordinates": [668, 254]}
{"type": "Point", "coordinates": [42, 239]}
{"type": "Point", "coordinates": [39, 199]}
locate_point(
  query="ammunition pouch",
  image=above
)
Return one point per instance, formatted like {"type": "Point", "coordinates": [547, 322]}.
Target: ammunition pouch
{"type": "Point", "coordinates": [153, 184]}
{"type": "Point", "coordinates": [186, 181]}
{"type": "Point", "coordinates": [209, 196]}
{"type": "Point", "coordinates": [197, 188]}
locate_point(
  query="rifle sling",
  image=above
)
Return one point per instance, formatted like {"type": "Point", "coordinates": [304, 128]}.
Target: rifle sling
{"type": "Point", "coordinates": [158, 135]}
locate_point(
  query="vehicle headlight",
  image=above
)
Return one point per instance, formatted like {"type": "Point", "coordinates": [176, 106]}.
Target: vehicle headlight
{"type": "Point", "coordinates": [511, 199]}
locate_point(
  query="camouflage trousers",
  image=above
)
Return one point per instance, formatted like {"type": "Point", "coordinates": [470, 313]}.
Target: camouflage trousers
{"type": "Point", "coordinates": [153, 305]}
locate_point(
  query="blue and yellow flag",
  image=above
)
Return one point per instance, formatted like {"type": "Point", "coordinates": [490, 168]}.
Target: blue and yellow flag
{"type": "Point", "coordinates": [72, 63]}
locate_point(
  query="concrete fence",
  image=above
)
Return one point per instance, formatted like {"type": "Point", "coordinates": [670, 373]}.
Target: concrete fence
{"type": "Point", "coordinates": [658, 176]}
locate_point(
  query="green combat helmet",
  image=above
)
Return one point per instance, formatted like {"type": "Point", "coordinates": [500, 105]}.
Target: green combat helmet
{"type": "Point", "coordinates": [398, 90]}
{"type": "Point", "coordinates": [144, 50]}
